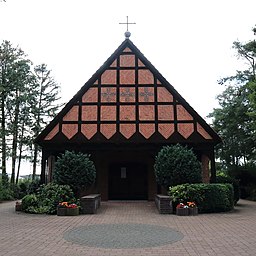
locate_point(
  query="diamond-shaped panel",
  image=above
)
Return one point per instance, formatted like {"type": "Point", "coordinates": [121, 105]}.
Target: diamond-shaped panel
{"type": "Point", "coordinates": [108, 130]}
{"type": "Point", "coordinates": [127, 130]}
{"type": "Point", "coordinates": [69, 130]}
{"type": "Point", "coordinates": [166, 130]}
{"type": "Point", "coordinates": [147, 130]}
{"type": "Point", "coordinates": [88, 130]}
{"type": "Point", "coordinates": [186, 129]}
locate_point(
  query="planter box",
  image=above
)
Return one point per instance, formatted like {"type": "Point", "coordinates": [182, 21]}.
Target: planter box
{"type": "Point", "coordinates": [61, 211]}
{"type": "Point", "coordinates": [72, 211]}
{"type": "Point", "coordinates": [18, 207]}
{"type": "Point", "coordinates": [182, 211]}
{"type": "Point", "coordinates": [193, 211]}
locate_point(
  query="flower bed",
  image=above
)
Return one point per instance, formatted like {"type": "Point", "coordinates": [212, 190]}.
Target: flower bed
{"type": "Point", "coordinates": [187, 209]}
{"type": "Point", "coordinates": [66, 209]}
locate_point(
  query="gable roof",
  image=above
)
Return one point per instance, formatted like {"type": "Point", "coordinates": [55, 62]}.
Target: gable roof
{"type": "Point", "coordinates": [127, 100]}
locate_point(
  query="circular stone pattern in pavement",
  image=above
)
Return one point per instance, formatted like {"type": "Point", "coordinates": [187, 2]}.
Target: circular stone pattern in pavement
{"type": "Point", "coordinates": [122, 236]}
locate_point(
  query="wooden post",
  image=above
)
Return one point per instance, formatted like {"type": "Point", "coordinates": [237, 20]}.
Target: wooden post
{"type": "Point", "coordinates": [43, 166]}
{"type": "Point", "coordinates": [205, 168]}
{"type": "Point", "coordinates": [213, 167]}
{"type": "Point", "coordinates": [51, 163]}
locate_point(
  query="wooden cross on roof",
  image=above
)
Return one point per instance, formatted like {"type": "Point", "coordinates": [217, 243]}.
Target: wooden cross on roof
{"type": "Point", "coordinates": [127, 23]}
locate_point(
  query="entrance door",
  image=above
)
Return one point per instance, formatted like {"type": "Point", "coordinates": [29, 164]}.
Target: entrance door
{"type": "Point", "coordinates": [128, 181]}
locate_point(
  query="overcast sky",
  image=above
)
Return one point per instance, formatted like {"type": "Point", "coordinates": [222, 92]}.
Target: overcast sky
{"type": "Point", "coordinates": [189, 42]}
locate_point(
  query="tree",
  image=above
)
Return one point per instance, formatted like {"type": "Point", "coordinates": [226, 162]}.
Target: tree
{"type": "Point", "coordinates": [13, 74]}
{"type": "Point", "coordinates": [17, 107]}
{"type": "Point", "coordinates": [27, 101]}
{"type": "Point", "coordinates": [235, 119]}
{"type": "Point", "coordinates": [176, 165]}
{"type": "Point", "coordinates": [44, 105]}
{"type": "Point", "coordinates": [75, 170]}
{"type": "Point", "coordinates": [234, 126]}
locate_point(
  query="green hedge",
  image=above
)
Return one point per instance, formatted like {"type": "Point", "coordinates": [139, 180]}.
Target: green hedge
{"type": "Point", "coordinates": [227, 179]}
{"type": "Point", "coordinates": [208, 197]}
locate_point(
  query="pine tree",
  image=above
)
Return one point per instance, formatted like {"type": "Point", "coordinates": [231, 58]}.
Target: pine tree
{"type": "Point", "coordinates": [11, 73]}
{"type": "Point", "coordinates": [45, 104]}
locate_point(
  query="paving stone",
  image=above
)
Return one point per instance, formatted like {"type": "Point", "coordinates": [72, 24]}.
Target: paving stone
{"type": "Point", "coordinates": [231, 233]}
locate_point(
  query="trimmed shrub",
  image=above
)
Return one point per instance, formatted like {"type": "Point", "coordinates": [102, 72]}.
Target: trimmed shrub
{"type": "Point", "coordinates": [75, 170]}
{"type": "Point", "coordinates": [176, 165]}
{"type": "Point", "coordinates": [208, 197]}
{"type": "Point", "coordinates": [221, 178]}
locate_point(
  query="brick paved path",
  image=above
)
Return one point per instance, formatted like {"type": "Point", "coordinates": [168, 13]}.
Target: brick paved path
{"type": "Point", "coordinates": [206, 234]}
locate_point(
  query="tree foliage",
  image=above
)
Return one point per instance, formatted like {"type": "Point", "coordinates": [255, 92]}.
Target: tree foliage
{"type": "Point", "coordinates": [75, 170]}
{"type": "Point", "coordinates": [28, 98]}
{"type": "Point", "coordinates": [235, 119]}
{"type": "Point", "coordinates": [14, 83]}
{"type": "Point", "coordinates": [44, 105]}
{"type": "Point", "coordinates": [176, 165]}
{"type": "Point", "coordinates": [47, 198]}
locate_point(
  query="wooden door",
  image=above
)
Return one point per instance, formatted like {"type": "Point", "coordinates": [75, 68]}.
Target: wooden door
{"type": "Point", "coordinates": [128, 181]}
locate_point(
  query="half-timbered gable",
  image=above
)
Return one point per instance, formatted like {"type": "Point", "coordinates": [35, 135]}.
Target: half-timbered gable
{"type": "Point", "coordinates": [122, 116]}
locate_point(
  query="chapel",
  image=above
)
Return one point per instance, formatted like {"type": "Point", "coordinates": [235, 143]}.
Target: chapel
{"type": "Point", "coordinates": [122, 116]}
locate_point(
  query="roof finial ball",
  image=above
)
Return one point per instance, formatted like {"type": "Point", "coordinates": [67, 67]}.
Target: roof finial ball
{"type": "Point", "coordinates": [127, 34]}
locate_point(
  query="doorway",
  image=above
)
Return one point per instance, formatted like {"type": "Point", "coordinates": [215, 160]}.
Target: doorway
{"type": "Point", "coordinates": [128, 181]}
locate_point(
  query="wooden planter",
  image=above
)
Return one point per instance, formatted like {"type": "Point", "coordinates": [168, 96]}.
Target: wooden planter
{"type": "Point", "coordinates": [182, 211]}
{"type": "Point", "coordinates": [72, 211]}
{"type": "Point", "coordinates": [193, 211]}
{"type": "Point", "coordinates": [61, 211]}
{"type": "Point", "coordinates": [18, 207]}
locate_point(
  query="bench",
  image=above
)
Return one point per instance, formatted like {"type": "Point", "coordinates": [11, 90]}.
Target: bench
{"type": "Point", "coordinates": [163, 204]}
{"type": "Point", "coordinates": [90, 203]}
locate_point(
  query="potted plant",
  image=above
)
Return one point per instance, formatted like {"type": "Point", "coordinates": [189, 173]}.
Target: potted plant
{"type": "Point", "coordinates": [182, 209]}
{"type": "Point", "coordinates": [62, 209]}
{"type": "Point", "coordinates": [72, 210]}
{"type": "Point", "coordinates": [18, 206]}
{"type": "Point", "coordinates": [66, 209]}
{"type": "Point", "coordinates": [192, 208]}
